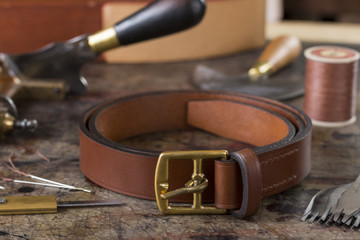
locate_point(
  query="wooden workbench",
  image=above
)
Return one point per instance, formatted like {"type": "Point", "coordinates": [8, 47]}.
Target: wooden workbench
{"type": "Point", "coordinates": [335, 160]}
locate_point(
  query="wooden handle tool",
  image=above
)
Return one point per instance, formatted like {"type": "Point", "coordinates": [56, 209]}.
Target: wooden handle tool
{"type": "Point", "coordinates": [44, 204]}
{"type": "Point", "coordinates": [278, 53]}
{"type": "Point", "coordinates": [159, 18]}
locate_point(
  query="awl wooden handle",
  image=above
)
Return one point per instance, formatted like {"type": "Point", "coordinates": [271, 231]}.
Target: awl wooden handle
{"type": "Point", "coordinates": [159, 18]}
{"type": "Point", "coordinates": [277, 54]}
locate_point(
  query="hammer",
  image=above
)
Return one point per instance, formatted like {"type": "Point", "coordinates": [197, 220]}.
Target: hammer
{"type": "Point", "coordinates": [54, 70]}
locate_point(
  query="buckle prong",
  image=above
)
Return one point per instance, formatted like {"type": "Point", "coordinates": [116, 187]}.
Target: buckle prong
{"type": "Point", "coordinates": [196, 185]}
{"type": "Point", "coordinates": [189, 188]}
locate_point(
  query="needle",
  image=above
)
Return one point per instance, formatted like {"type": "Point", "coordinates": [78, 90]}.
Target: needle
{"type": "Point", "coordinates": [45, 184]}
{"type": "Point", "coordinates": [58, 184]}
{"type": "Point", "coordinates": [50, 183]}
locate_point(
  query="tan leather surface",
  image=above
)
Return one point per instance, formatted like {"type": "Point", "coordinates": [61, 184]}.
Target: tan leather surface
{"type": "Point", "coordinates": [230, 183]}
{"type": "Point", "coordinates": [281, 139]}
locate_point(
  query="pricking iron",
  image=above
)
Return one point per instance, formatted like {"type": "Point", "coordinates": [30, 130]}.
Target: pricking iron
{"type": "Point", "coordinates": [336, 205]}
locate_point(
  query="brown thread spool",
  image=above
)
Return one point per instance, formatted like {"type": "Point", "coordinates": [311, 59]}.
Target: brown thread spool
{"type": "Point", "coordinates": [330, 85]}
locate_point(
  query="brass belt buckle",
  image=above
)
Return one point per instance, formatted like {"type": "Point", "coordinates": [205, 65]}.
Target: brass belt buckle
{"type": "Point", "coordinates": [196, 185]}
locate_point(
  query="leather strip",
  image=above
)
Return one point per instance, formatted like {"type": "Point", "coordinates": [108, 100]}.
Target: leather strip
{"type": "Point", "coordinates": [251, 179]}
{"type": "Point", "coordinates": [279, 159]}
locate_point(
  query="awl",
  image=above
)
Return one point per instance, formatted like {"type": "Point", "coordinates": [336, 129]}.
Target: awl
{"type": "Point", "coordinates": [44, 204]}
{"type": "Point", "coordinates": [278, 53]}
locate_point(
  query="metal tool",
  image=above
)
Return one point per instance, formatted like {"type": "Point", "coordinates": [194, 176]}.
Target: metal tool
{"type": "Point", "coordinates": [45, 184]}
{"type": "Point", "coordinates": [45, 204]}
{"type": "Point", "coordinates": [322, 202]}
{"type": "Point", "coordinates": [53, 71]}
{"type": "Point", "coordinates": [278, 53]}
{"type": "Point", "coordinates": [340, 205]}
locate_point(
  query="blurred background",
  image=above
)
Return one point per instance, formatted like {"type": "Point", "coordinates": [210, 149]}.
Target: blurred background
{"type": "Point", "coordinates": [30, 24]}
{"type": "Point", "coordinates": [347, 11]}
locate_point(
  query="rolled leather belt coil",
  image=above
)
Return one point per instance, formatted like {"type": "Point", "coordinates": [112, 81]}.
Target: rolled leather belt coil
{"type": "Point", "coordinates": [279, 159]}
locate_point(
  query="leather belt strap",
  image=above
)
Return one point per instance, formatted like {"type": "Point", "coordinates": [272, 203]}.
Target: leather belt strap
{"type": "Point", "coordinates": [279, 159]}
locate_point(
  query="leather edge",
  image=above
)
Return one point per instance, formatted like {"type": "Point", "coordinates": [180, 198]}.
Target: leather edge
{"type": "Point", "coordinates": [252, 182]}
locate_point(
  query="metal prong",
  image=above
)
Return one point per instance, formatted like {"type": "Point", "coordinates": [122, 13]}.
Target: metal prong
{"type": "Point", "coordinates": [305, 216]}
{"type": "Point", "coordinates": [325, 215]}
{"type": "Point", "coordinates": [329, 220]}
{"type": "Point", "coordinates": [349, 216]}
{"type": "Point", "coordinates": [348, 222]}
{"type": "Point", "coordinates": [312, 219]}
{"type": "Point", "coordinates": [307, 211]}
{"type": "Point", "coordinates": [356, 223]}
{"type": "Point", "coordinates": [338, 215]}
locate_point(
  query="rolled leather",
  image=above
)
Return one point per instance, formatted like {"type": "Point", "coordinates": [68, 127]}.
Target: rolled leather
{"type": "Point", "coordinates": [280, 136]}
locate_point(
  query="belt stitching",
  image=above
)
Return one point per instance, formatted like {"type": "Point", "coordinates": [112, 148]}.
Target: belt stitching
{"type": "Point", "coordinates": [278, 157]}
{"type": "Point", "coordinates": [275, 185]}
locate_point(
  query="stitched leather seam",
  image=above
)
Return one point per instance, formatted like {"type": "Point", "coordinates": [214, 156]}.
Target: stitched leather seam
{"type": "Point", "coordinates": [278, 157]}
{"type": "Point", "coordinates": [274, 186]}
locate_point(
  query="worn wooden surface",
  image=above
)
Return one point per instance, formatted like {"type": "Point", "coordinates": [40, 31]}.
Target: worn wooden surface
{"type": "Point", "coordinates": [335, 160]}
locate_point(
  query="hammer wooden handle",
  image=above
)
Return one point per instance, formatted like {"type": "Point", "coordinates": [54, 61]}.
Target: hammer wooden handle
{"type": "Point", "coordinates": [277, 54]}
{"type": "Point", "coordinates": [159, 18]}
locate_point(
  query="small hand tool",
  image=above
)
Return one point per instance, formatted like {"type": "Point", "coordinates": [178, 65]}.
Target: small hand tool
{"type": "Point", "coordinates": [322, 202]}
{"type": "Point", "coordinates": [43, 181]}
{"type": "Point", "coordinates": [64, 186]}
{"type": "Point", "coordinates": [45, 204]}
{"type": "Point", "coordinates": [338, 205]}
{"type": "Point", "coordinates": [54, 70]}
{"type": "Point", "coordinates": [277, 54]}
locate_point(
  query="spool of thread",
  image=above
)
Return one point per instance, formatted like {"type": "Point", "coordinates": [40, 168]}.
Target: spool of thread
{"type": "Point", "coordinates": [330, 85]}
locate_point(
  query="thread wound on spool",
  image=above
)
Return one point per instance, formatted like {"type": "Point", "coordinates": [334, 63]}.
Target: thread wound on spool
{"type": "Point", "coordinates": [330, 85]}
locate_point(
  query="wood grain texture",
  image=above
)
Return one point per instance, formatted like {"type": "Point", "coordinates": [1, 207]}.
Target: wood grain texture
{"type": "Point", "coordinates": [334, 161]}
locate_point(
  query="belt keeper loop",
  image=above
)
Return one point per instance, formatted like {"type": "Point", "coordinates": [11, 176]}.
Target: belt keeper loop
{"type": "Point", "coordinates": [228, 186]}
{"type": "Point", "coordinates": [252, 182]}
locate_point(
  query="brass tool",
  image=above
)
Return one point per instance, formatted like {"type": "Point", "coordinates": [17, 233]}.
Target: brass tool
{"type": "Point", "coordinates": [45, 204]}
{"type": "Point", "coordinates": [278, 53]}
{"type": "Point", "coordinates": [53, 71]}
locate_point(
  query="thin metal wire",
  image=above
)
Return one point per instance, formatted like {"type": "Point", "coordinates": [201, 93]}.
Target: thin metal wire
{"type": "Point", "coordinates": [46, 182]}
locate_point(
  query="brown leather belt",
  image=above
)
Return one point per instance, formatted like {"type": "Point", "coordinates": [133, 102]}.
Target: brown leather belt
{"type": "Point", "coordinates": [235, 181]}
